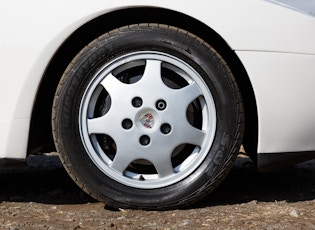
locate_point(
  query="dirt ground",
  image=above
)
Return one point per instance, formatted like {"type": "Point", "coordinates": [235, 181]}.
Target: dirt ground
{"type": "Point", "coordinates": [42, 196]}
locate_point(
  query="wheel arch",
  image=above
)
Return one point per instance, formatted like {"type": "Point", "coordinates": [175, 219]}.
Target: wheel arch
{"type": "Point", "coordinates": [40, 138]}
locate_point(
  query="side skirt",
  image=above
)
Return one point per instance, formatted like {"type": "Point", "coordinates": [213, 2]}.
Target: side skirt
{"type": "Point", "coordinates": [271, 161]}
{"type": "Point", "coordinates": [12, 163]}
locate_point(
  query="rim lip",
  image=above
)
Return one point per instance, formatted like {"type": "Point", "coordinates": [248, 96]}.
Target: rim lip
{"type": "Point", "coordinates": [208, 116]}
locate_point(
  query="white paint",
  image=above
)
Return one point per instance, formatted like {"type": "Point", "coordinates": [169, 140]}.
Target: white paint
{"type": "Point", "coordinates": [31, 31]}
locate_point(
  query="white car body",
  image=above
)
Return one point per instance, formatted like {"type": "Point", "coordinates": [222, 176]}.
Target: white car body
{"type": "Point", "coordinates": [274, 43]}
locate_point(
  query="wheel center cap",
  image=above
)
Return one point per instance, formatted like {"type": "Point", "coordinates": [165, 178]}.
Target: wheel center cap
{"type": "Point", "coordinates": [147, 119]}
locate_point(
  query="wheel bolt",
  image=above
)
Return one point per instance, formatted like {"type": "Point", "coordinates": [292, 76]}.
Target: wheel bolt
{"type": "Point", "coordinates": [166, 128]}
{"type": "Point", "coordinates": [160, 104]}
{"type": "Point", "coordinates": [127, 124]}
{"type": "Point", "coordinates": [136, 102]}
{"type": "Point", "coordinates": [144, 140]}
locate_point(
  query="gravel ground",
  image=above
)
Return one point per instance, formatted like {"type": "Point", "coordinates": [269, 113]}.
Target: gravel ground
{"type": "Point", "coordinates": [42, 196]}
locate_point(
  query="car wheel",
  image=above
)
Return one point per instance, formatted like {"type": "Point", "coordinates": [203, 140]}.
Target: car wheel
{"type": "Point", "coordinates": [149, 117]}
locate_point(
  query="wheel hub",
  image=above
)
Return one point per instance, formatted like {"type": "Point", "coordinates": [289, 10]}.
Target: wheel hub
{"type": "Point", "coordinates": [147, 119]}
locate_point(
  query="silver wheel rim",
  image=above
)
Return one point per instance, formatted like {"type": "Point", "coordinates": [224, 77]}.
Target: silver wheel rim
{"type": "Point", "coordinates": [147, 120]}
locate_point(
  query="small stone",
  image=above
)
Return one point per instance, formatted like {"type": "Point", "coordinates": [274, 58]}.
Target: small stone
{"type": "Point", "coordinates": [253, 202]}
{"type": "Point", "coordinates": [294, 213]}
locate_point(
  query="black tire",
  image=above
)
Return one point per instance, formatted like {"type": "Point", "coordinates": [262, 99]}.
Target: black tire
{"type": "Point", "coordinates": [93, 120]}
